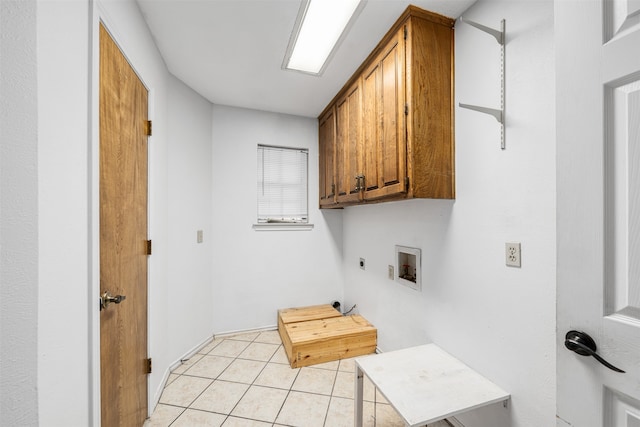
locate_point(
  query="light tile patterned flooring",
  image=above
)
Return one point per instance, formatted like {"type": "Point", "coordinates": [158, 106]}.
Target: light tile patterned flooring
{"type": "Point", "coordinates": [245, 381]}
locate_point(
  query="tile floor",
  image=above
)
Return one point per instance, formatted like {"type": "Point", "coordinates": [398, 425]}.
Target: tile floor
{"type": "Point", "coordinates": [245, 381]}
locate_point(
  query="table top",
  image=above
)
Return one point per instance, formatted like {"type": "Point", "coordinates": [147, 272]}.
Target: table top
{"type": "Point", "coordinates": [425, 384]}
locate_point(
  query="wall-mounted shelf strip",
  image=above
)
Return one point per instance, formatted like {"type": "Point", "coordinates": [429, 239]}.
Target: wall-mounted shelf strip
{"type": "Point", "coordinates": [498, 114]}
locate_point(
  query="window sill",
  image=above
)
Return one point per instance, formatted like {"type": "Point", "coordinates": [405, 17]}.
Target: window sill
{"type": "Point", "coordinates": [283, 227]}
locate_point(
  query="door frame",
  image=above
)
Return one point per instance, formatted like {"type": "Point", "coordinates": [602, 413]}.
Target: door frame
{"type": "Point", "coordinates": [99, 16]}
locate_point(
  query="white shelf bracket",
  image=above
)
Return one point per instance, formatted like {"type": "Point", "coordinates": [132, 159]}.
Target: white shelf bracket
{"type": "Point", "coordinates": [499, 35]}
{"type": "Point", "coordinates": [491, 111]}
{"type": "Point", "coordinates": [498, 114]}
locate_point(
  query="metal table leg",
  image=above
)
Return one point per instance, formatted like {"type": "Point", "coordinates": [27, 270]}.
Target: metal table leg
{"type": "Point", "coordinates": [358, 397]}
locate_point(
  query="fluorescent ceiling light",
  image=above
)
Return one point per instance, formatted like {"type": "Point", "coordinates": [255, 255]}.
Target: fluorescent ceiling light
{"type": "Point", "coordinates": [319, 28]}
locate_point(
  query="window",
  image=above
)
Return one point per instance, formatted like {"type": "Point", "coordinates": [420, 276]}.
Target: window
{"type": "Point", "coordinates": [282, 185]}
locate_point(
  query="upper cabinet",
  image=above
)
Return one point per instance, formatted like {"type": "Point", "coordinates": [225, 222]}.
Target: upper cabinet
{"type": "Point", "coordinates": [394, 118]}
{"type": "Point", "coordinates": [384, 121]}
{"type": "Point", "coordinates": [327, 146]}
{"type": "Point", "coordinates": [349, 144]}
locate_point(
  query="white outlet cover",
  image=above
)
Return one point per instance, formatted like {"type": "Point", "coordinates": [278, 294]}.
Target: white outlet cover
{"type": "Point", "coordinates": [512, 254]}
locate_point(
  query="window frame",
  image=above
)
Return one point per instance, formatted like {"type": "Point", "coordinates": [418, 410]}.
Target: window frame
{"type": "Point", "coordinates": [262, 223]}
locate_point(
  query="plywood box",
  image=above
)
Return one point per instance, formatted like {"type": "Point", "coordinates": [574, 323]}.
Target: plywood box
{"type": "Point", "coordinates": [303, 314]}
{"type": "Point", "coordinates": [315, 341]}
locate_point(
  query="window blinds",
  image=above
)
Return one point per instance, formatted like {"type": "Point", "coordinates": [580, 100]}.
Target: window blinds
{"type": "Point", "coordinates": [282, 184]}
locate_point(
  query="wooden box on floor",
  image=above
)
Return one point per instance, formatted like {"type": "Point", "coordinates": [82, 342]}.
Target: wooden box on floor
{"type": "Point", "coordinates": [320, 334]}
{"type": "Point", "coordinates": [304, 314]}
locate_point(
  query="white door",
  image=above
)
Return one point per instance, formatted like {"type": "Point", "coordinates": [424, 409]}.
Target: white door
{"type": "Point", "coordinates": [598, 209]}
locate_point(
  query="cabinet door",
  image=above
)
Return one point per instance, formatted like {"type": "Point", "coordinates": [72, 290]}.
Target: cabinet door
{"type": "Point", "coordinates": [348, 145]}
{"type": "Point", "coordinates": [383, 91]}
{"type": "Point", "coordinates": [327, 144]}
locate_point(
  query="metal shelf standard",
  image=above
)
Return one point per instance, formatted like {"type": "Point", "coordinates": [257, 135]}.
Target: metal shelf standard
{"type": "Point", "coordinates": [498, 114]}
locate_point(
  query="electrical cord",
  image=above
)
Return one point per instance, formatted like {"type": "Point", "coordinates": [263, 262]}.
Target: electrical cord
{"type": "Point", "coordinates": [347, 312]}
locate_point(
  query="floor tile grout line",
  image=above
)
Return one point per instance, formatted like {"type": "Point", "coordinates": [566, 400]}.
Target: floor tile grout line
{"type": "Point", "coordinates": [243, 394]}
{"type": "Point", "coordinates": [267, 363]}
{"type": "Point", "coordinates": [212, 381]}
{"type": "Point", "coordinates": [282, 405]}
{"type": "Point", "coordinates": [247, 390]}
{"type": "Point", "coordinates": [333, 387]}
{"type": "Point", "coordinates": [174, 406]}
{"type": "Point", "coordinates": [287, 396]}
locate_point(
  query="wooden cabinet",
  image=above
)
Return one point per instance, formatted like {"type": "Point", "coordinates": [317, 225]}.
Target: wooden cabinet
{"type": "Point", "coordinates": [327, 146]}
{"type": "Point", "coordinates": [394, 117]}
{"type": "Point", "coordinates": [349, 145]}
{"type": "Point", "coordinates": [384, 102]}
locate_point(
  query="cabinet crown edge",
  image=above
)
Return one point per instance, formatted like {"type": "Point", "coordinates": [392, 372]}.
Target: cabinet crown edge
{"type": "Point", "coordinates": [410, 12]}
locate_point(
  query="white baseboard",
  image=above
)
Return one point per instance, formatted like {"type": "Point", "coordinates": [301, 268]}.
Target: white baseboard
{"type": "Point", "coordinates": [244, 331]}
{"type": "Point", "coordinates": [188, 355]}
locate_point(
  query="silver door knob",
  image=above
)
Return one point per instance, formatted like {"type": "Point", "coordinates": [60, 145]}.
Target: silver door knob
{"type": "Point", "coordinates": [106, 299]}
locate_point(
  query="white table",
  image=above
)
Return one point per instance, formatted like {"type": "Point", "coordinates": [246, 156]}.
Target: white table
{"type": "Point", "coordinates": [424, 384]}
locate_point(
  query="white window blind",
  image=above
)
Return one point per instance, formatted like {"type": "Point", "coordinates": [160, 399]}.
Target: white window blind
{"type": "Point", "coordinates": [282, 185]}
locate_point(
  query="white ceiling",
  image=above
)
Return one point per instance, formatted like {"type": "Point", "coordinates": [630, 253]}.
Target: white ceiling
{"type": "Point", "coordinates": [231, 51]}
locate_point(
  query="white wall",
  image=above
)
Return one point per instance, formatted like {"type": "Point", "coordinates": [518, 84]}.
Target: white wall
{"type": "Point", "coordinates": [68, 337]}
{"type": "Point", "coordinates": [189, 271]}
{"type": "Point", "coordinates": [497, 319]}
{"type": "Point", "coordinates": [18, 214]}
{"type": "Point", "coordinates": [64, 292]}
{"type": "Point", "coordinates": [179, 197]}
{"type": "Point", "coordinates": [257, 272]}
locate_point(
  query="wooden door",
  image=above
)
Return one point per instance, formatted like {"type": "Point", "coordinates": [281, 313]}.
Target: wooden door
{"type": "Point", "coordinates": [123, 236]}
{"type": "Point", "coordinates": [598, 209]}
{"type": "Point", "coordinates": [348, 145]}
{"type": "Point", "coordinates": [384, 122]}
{"type": "Point", "coordinates": [327, 144]}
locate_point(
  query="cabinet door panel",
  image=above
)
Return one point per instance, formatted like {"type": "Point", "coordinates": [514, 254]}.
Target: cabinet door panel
{"type": "Point", "coordinates": [393, 119]}
{"type": "Point", "coordinates": [385, 139]}
{"type": "Point", "coordinates": [327, 139]}
{"type": "Point", "coordinates": [348, 114]}
{"type": "Point", "coordinates": [371, 124]}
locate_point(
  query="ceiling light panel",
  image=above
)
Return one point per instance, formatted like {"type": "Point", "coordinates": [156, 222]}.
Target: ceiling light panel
{"type": "Point", "coordinates": [320, 27]}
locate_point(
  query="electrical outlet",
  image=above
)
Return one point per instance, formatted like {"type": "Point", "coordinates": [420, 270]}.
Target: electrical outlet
{"type": "Point", "coordinates": [512, 254]}
{"type": "Point", "coordinates": [390, 272]}
{"type": "Point", "coordinates": [362, 263]}
{"type": "Point", "coordinates": [199, 238]}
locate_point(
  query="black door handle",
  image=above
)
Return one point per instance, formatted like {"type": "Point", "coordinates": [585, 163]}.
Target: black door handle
{"type": "Point", "coordinates": [584, 345]}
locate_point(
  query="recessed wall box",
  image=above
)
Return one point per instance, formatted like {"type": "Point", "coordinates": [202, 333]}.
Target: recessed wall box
{"type": "Point", "coordinates": [409, 267]}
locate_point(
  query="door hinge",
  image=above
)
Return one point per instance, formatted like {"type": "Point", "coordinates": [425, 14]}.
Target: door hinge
{"type": "Point", "coordinates": [148, 367]}
{"type": "Point", "coordinates": [148, 127]}
{"type": "Point", "coordinates": [406, 183]}
{"type": "Point", "coordinates": [406, 109]}
{"type": "Point", "coordinates": [405, 32]}
{"type": "Point", "coordinates": [148, 247]}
